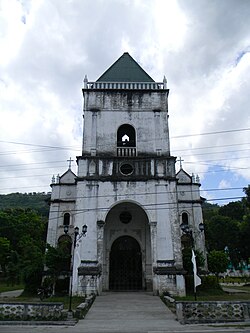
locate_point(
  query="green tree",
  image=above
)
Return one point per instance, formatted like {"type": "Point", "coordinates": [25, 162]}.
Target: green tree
{"type": "Point", "coordinates": [209, 210]}
{"type": "Point", "coordinates": [222, 232]}
{"type": "Point", "coordinates": [234, 210]}
{"type": "Point", "coordinates": [4, 250]}
{"type": "Point", "coordinates": [246, 190]}
{"type": "Point", "coordinates": [32, 263]}
{"type": "Point", "coordinates": [13, 272]}
{"type": "Point", "coordinates": [57, 260]}
{"type": "Point", "coordinates": [217, 262]}
{"type": "Point", "coordinates": [245, 237]}
{"type": "Point", "coordinates": [26, 232]}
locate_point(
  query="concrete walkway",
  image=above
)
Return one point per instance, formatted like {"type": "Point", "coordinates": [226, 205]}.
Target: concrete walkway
{"type": "Point", "coordinates": [12, 293]}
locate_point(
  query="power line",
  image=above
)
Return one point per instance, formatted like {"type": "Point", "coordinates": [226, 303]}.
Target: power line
{"type": "Point", "coordinates": [36, 145]}
{"type": "Point", "coordinates": [153, 206]}
{"type": "Point", "coordinates": [217, 152]}
{"type": "Point", "coordinates": [212, 147]}
{"type": "Point", "coordinates": [32, 163]}
{"type": "Point", "coordinates": [149, 193]}
{"type": "Point", "coordinates": [231, 168]}
{"type": "Point", "coordinates": [211, 133]}
{"type": "Point", "coordinates": [146, 140]}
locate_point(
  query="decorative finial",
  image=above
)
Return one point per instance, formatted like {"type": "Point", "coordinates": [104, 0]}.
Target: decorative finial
{"type": "Point", "coordinates": [57, 178]}
{"type": "Point", "coordinates": [85, 81]}
{"type": "Point", "coordinates": [164, 82]}
{"type": "Point", "coordinates": [53, 180]}
{"type": "Point", "coordinates": [70, 160]}
{"type": "Point", "coordinates": [197, 179]}
{"type": "Point", "coordinates": [193, 178]}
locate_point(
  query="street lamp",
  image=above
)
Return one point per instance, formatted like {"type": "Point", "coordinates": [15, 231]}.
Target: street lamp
{"type": "Point", "coordinates": [186, 229]}
{"type": "Point", "coordinates": [76, 238]}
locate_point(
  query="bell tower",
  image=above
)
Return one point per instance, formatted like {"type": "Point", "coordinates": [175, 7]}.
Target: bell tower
{"type": "Point", "coordinates": [126, 167]}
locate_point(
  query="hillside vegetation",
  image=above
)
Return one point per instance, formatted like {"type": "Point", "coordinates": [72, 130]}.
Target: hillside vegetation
{"type": "Point", "coordinates": [35, 201]}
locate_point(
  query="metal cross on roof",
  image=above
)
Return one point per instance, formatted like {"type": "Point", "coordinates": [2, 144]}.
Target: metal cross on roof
{"type": "Point", "coordinates": [180, 160]}
{"type": "Point", "coordinates": [70, 160]}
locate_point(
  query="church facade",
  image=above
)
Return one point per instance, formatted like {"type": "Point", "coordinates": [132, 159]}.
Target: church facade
{"type": "Point", "coordinates": [126, 190]}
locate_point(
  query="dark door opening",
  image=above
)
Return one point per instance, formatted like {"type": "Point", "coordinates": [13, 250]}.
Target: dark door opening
{"type": "Point", "coordinates": [125, 265]}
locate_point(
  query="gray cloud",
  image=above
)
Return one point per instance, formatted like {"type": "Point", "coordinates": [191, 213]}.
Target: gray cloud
{"type": "Point", "coordinates": [204, 54]}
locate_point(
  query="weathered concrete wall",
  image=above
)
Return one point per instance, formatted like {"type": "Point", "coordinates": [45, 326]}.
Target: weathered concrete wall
{"type": "Point", "coordinates": [105, 111]}
{"type": "Point", "coordinates": [212, 312]}
{"type": "Point", "coordinates": [31, 311]}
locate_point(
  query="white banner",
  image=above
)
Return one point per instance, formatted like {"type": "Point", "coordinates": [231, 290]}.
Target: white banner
{"type": "Point", "coordinates": [197, 279]}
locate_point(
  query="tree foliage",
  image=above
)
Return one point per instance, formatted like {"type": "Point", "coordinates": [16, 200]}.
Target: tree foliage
{"type": "Point", "coordinates": [25, 231]}
{"type": "Point", "coordinates": [58, 261]}
{"type": "Point", "coordinates": [234, 210]}
{"type": "Point", "coordinates": [217, 262]}
{"type": "Point", "coordinates": [228, 227]}
{"type": "Point", "coordinates": [35, 201]}
{"type": "Point", "coordinates": [4, 250]}
{"type": "Point", "coordinates": [222, 231]}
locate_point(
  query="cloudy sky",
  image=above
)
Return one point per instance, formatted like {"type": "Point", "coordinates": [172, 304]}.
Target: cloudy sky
{"type": "Point", "coordinates": [47, 47]}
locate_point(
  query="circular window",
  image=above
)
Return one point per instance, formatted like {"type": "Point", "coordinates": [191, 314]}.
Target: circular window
{"type": "Point", "coordinates": [126, 169]}
{"type": "Point", "coordinates": [125, 217]}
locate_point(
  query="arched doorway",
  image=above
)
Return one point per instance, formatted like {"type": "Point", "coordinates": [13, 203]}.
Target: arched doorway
{"type": "Point", "coordinates": [125, 264]}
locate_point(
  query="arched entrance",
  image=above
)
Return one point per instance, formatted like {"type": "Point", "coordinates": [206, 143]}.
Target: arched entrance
{"type": "Point", "coordinates": [125, 264]}
{"type": "Point", "coordinates": [126, 251]}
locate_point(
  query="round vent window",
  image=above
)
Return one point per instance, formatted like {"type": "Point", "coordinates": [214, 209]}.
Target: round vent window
{"type": "Point", "coordinates": [126, 169]}
{"type": "Point", "coordinates": [125, 217]}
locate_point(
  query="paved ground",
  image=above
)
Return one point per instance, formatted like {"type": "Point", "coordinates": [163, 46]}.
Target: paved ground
{"type": "Point", "coordinates": [234, 290]}
{"type": "Point", "coordinates": [125, 313]}
{"type": "Point", "coordinates": [13, 293]}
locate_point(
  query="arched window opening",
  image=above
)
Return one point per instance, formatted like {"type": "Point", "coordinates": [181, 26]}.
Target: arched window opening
{"type": "Point", "coordinates": [66, 219]}
{"type": "Point", "coordinates": [126, 136]}
{"type": "Point", "coordinates": [184, 218]}
{"type": "Point", "coordinates": [64, 247]}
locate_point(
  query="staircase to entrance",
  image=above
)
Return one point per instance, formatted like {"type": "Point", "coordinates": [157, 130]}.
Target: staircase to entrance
{"type": "Point", "coordinates": [128, 312]}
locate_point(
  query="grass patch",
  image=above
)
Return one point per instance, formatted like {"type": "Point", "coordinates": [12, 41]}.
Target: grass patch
{"type": "Point", "coordinates": [76, 300]}
{"type": "Point", "coordinates": [25, 297]}
{"type": "Point", "coordinates": [215, 295]}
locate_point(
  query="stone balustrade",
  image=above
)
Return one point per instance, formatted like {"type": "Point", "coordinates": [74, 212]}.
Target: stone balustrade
{"type": "Point", "coordinates": [126, 85]}
{"type": "Point", "coordinates": [31, 311]}
{"type": "Point", "coordinates": [212, 311]}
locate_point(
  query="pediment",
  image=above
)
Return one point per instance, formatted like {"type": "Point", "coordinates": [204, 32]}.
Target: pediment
{"type": "Point", "coordinates": [68, 177]}
{"type": "Point", "coordinates": [183, 177]}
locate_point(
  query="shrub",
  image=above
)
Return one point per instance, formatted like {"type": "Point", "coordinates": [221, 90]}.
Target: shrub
{"type": "Point", "coordinates": [208, 283]}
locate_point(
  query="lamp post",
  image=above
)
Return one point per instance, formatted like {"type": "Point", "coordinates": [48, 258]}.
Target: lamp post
{"type": "Point", "coordinates": [76, 236]}
{"type": "Point", "coordinates": [186, 229]}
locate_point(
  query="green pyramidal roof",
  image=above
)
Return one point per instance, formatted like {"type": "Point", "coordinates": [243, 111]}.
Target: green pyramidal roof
{"type": "Point", "coordinates": [125, 69]}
